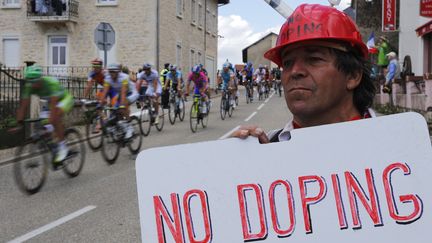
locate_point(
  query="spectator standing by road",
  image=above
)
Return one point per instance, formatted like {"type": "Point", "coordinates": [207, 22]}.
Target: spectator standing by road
{"type": "Point", "coordinates": [326, 77]}
{"type": "Point", "coordinates": [393, 71]}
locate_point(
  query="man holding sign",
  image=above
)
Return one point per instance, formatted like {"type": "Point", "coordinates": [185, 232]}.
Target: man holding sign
{"type": "Point", "coordinates": [325, 76]}
{"type": "Point", "coordinates": [359, 185]}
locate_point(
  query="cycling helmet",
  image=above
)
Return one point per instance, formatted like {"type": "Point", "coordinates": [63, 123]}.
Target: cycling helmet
{"type": "Point", "coordinates": [166, 65]}
{"type": "Point", "coordinates": [97, 62]}
{"type": "Point", "coordinates": [114, 67]}
{"type": "Point", "coordinates": [317, 23]}
{"type": "Point", "coordinates": [260, 66]}
{"type": "Point", "coordinates": [196, 69]}
{"type": "Point", "coordinates": [33, 73]}
{"type": "Point", "coordinates": [146, 66]}
{"type": "Point", "coordinates": [173, 68]}
{"type": "Point", "coordinates": [226, 65]}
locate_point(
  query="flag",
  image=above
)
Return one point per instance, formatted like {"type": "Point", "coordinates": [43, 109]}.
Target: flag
{"type": "Point", "coordinates": [371, 41]}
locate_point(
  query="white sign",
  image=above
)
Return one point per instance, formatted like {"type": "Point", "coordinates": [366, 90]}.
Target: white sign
{"type": "Point", "coordinates": [361, 181]}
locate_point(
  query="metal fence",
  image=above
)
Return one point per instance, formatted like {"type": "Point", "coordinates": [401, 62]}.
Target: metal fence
{"type": "Point", "coordinates": [10, 88]}
{"type": "Point", "coordinates": [73, 79]}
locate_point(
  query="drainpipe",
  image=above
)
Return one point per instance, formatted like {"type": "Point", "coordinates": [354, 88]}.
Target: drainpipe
{"type": "Point", "coordinates": [157, 34]}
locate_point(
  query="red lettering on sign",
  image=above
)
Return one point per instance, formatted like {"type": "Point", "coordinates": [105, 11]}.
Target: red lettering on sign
{"type": "Point", "coordinates": [274, 216]}
{"type": "Point", "coordinates": [174, 225]}
{"type": "Point", "coordinates": [339, 204]}
{"type": "Point", "coordinates": [247, 234]}
{"type": "Point", "coordinates": [306, 201]}
{"type": "Point", "coordinates": [205, 213]}
{"type": "Point", "coordinates": [410, 198]}
{"type": "Point", "coordinates": [354, 188]}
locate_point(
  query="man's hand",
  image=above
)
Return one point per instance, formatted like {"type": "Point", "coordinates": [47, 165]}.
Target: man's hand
{"type": "Point", "coordinates": [251, 130]}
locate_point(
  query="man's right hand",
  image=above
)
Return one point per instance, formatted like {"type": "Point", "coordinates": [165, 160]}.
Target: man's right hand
{"type": "Point", "coordinates": [251, 130]}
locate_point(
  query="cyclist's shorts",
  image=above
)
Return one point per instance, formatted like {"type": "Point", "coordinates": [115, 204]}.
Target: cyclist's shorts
{"type": "Point", "coordinates": [66, 104]}
{"type": "Point", "coordinates": [131, 97]}
{"type": "Point", "coordinates": [150, 91]}
{"type": "Point", "coordinates": [142, 92]}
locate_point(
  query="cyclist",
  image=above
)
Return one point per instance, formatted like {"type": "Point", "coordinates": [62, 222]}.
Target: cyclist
{"type": "Point", "coordinates": [259, 76]}
{"type": "Point", "coordinates": [248, 71]}
{"type": "Point", "coordinates": [200, 81]}
{"type": "Point", "coordinates": [149, 78]}
{"type": "Point", "coordinates": [165, 93]}
{"type": "Point", "coordinates": [227, 78]}
{"type": "Point", "coordinates": [60, 103]}
{"type": "Point", "coordinates": [96, 76]}
{"type": "Point", "coordinates": [234, 81]}
{"type": "Point", "coordinates": [174, 80]}
{"type": "Point", "coordinates": [119, 84]}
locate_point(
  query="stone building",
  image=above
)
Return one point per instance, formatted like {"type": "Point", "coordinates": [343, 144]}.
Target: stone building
{"type": "Point", "coordinates": [62, 33]}
{"type": "Point", "coordinates": [255, 52]}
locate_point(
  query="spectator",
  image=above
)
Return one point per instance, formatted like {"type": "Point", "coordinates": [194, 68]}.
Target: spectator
{"type": "Point", "coordinates": [383, 50]}
{"type": "Point", "coordinates": [393, 71]}
{"type": "Point", "coordinates": [326, 77]}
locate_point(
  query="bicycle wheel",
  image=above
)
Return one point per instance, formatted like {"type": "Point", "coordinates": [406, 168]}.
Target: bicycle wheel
{"type": "Point", "coordinates": [204, 119]}
{"type": "Point", "coordinates": [110, 146]}
{"type": "Point", "coordinates": [223, 108]}
{"type": "Point", "coordinates": [136, 140]}
{"type": "Point", "coordinates": [31, 166]}
{"type": "Point", "coordinates": [230, 107]}
{"type": "Point", "coordinates": [172, 112]}
{"type": "Point", "coordinates": [76, 157]}
{"type": "Point", "coordinates": [145, 121]}
{"type": "Point", "coordinates": [181, 109]}
{"type": "Point", "coordinates": [160, 125]}
{"type": "Point", "coordinates": [94, 137]}
{"type": "Point", "coordinates": [194, 117]}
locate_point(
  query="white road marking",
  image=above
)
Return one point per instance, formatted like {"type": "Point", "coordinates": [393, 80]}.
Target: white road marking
{"type": "Point", "coordinates": [269, 98]}
{"type": "Point", "coordinates": [261, 106]}
{"type": "Point", "coordinates": [229, 133]}
{"type": "Point", "coordinates": [52, 224]}
{"type": "Point", "coordinates": [250, 117]}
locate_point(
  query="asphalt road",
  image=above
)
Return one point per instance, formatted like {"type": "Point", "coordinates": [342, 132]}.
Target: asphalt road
{"type": "Point", "coordinates": [100, 205]}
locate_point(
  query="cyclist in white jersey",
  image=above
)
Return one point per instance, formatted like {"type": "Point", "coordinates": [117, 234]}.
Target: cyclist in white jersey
{"type": "Point", "coordinates": [150, 78]}
{"type": "Point", "coordinates": [119, 85]}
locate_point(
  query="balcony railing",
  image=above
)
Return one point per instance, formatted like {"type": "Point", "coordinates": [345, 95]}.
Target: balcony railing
{"type": "Point", "coordinates": [52, 11]}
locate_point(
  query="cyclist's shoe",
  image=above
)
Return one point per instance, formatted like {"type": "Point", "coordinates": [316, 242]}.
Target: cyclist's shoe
{"type": "Point", "coordinates": [129, 132]}
{"type": "Point", "coordinates": [57, 165]}
{"type": "Point", "coordinates": [62, 153]}
{"type": "Point", "coordinates": [138, 105]}
{"type": "Point", "coordinates": [156, 120]}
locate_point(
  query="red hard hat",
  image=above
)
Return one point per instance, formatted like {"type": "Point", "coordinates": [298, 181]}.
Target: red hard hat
{"type": "Point", "coordinates": [316, 22]}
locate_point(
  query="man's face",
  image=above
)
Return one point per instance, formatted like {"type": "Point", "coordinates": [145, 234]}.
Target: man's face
{"type": "Point", "coordinates": [147, 71]}
{"type": "Point", "coordinates": [114, 75]}
{"type": "Point", "coordinates": [97, 68]}
{"type": "Point", "coordinates": [313, 86]}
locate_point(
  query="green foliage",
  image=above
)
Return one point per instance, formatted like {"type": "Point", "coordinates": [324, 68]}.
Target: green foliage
{"type": "Point", "coordinates": [8, 122]}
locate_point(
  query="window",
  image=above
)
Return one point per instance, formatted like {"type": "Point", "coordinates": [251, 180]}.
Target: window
{"type": "Point", "coordinates": [107, 2]}
{"type": "Point", "coordinates": [193, 12]}
{"type": "Point", "coordinates": [214, 25]}
{"type": "Point", "coordinates": [208, 22]}
{"type": "Point", "coordinates": [192, 58]}
{"type": "Point", "coordinates": [11, 52]}
{"type": "Point", "coordinates": [57, 50]}
{"type": "Point", "coordinates": [200, 15]}
{"type": "Point", "coordinates": [179, 8]}
{"type": "Point", "coordinates": [11, 3]}
{"type": "Point", "coordinates": [200, 61]}
{"type": "Point", "coordinates": [178, 54]}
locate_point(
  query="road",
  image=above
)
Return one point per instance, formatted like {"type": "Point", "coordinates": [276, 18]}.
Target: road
{"type": "Point", "coordinates": [100, 205]}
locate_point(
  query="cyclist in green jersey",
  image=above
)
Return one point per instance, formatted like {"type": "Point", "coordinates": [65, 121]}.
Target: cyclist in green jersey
{"type": "Point", "coordinates": [59, 100]}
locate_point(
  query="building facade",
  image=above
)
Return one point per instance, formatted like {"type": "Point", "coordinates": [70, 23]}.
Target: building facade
{"type": "Point", "coordinates": [255, 52]}
{"type": "Point", "coordinates": [65, 33]}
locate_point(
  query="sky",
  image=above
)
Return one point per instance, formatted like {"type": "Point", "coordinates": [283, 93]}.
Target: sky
{"type": "Point", "coordinates": [243, 22]}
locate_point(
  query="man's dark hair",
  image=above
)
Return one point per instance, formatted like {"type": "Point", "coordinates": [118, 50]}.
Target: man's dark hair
{"type": "Point", "coordinates": [350, 63]}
